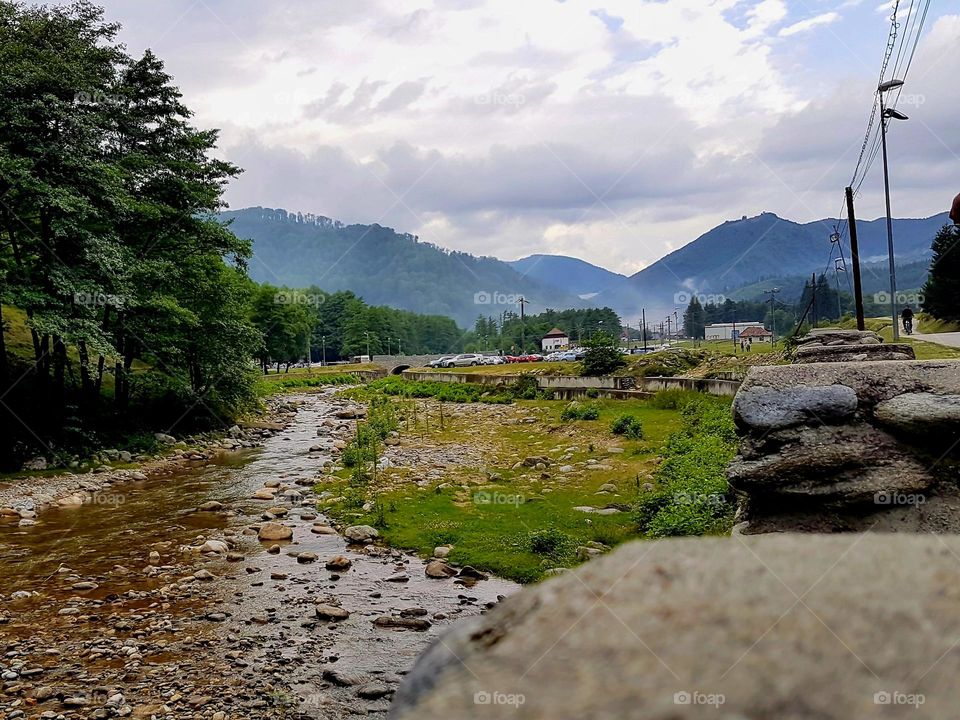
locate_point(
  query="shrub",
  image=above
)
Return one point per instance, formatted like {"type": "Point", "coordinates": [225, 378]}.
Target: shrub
{"type": "Point", "coordinates": [593, 393]}
{"type": "Point", "coordinates": [579, 411]}
{"type": "Point", "coordinates": [629, 426]}
{"type": "Point", "coordinates": [673, 399]}
{"type": "Point", "coordinates": [549, 541]}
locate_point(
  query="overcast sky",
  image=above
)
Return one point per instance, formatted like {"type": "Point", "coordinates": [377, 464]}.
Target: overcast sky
{"type": "Point", "coordinates": [609, 130]}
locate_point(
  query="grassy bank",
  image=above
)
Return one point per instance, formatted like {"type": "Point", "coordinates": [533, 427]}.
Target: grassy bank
{"type": "Point", "coordinates": [924, 350]}
{"type": "Point", "coordinates": [502, 483]}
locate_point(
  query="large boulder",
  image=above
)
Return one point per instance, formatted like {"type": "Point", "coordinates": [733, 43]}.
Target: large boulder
{"type": "Point", "coordinates": [844, 627]}
{"type": "Point", "coordinates": [836, 345]}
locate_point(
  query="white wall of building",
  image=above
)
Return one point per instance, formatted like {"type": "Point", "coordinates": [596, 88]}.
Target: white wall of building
{"type": "Point", "coordinates": [725, 331]}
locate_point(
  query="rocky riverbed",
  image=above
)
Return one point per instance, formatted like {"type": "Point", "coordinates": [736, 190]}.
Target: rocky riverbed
{"type": "Point", "coordinates": [212, 589]}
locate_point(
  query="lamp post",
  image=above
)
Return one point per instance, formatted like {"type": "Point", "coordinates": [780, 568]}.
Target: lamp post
{"type": "Point", "coordinates": [889, 114]}
{"type": "Point", "coordinates": [323, 341]}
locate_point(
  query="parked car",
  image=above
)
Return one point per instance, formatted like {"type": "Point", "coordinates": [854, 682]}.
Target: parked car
{"type": "Point", "coordinates": [534, 357]}
{"type": "Point", "coordinates": [553, 357]}
{"type": "Point", "coordinates": [493, 360]}
{"type": "Point", "coordinates": [465, 360]}
{"type": "Point", "coordinates": [441, 361]}
{"type": "Point", "coordinates": [568, 356]}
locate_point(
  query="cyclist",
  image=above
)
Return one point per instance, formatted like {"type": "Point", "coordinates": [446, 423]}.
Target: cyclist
{"type": "Point", "coordinates": [907, 317]}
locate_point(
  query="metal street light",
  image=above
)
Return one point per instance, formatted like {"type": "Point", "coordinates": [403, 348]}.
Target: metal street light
{"type": "Point", "coordinates": [889, 114]}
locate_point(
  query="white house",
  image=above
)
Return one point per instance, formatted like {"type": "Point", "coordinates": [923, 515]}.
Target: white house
{"type": "Point", "coordinates": [555, 340]}
{"type": "Point", "coordinates": [728, 331]}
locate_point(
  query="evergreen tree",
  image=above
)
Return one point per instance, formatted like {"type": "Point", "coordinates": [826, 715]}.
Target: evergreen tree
{"type": "Point", "coordinates": [941, 294]}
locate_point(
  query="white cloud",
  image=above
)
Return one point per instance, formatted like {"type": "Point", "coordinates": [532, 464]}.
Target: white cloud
{"type": "Point", "coordinates": [827, 18]}
{"type": "Point", "coordinates": [613, 130]}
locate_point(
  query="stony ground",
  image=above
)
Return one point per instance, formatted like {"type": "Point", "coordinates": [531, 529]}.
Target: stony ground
{"type": "Point", "coordinates": [216, 591]}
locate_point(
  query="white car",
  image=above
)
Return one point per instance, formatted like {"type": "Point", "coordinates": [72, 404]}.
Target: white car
{"type": "Point", "coordinates": [441, 361]}
{"type": "Point", "coordinates": [493, 360]}
{"type": "Point", "coordinates": [464, 360]}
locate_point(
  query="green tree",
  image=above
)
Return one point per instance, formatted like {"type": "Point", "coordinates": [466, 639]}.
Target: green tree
{"type": "Point", "coordinates": [941, 294]}
{"type": "Point", "coordinates": [602, 357]}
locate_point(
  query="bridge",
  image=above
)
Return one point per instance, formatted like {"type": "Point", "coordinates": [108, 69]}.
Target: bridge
{"type": "Point", "coordinates": [396, 364]}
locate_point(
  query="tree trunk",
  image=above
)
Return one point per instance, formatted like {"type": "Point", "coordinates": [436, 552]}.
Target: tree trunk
{"type": "Point", "coordinates": [4, 371]}
{"type": "Point", "coordinates": [59, 391]}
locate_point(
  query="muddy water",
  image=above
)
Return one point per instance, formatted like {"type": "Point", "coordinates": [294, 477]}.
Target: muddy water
{"type": "Point", "coordinates": [245, 644]}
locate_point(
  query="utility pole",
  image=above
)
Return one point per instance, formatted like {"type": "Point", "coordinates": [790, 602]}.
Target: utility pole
{"type": "Point", "coordinates": [855, 252]}
{"type": "Point", "coordinates": [886, 190]}
{"type": "Point", "coordinates": [773, 318]}
{"type": "Point", "coordinates": [837, 267]}
{"type": "Point", "coordinates": [733, 331]}
{"type": "Point", "coordinates": [676, 322]}
{"type": "Point", "coordinates": [644, 329]}
{"type": "Point", "coordinates": [669, 333]}
{"type": "Point", "coordinates": [367, 336]}
{"type": "Point", "coordinates": [523, 329]}
{"type": "Point", "coordinates": [813, 290]}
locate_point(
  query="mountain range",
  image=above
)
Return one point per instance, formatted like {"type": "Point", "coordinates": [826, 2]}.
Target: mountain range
{"type": "Point", "coordinates": [738, 259]}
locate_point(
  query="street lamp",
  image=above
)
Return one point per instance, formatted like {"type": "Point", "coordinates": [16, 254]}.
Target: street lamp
{"type": "Point", "coordinates": [889, 114]}
{"type": "Point", "coordinates": [773, 316]}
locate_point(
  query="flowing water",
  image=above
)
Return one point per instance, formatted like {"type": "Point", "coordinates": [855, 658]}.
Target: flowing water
{"type": "Point", "coordinates": [100, 621]}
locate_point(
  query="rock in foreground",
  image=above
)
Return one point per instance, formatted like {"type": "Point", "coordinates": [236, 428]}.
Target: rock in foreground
{"type": "Point", "coordinates": [779, 626]}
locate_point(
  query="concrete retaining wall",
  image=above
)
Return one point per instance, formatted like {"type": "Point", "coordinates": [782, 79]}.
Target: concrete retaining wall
{"type": "Point", "coordinates": [567, 386]}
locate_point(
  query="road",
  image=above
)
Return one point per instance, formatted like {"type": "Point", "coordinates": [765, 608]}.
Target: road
{"type": "Point", "coordinates": [951, 339]}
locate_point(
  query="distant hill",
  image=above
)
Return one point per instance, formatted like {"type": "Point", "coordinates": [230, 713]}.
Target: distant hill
{"type": "Point", "coordinates": [594, 284]}
{"type": "Point", "coordinates": [738, 259]}
{"type": "Point", "coordinates": [386, 267]}
{"type": "Point", "coordinates": [757, 251]}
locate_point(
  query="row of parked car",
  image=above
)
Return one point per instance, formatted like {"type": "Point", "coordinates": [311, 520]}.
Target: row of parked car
{"type": "Point", "coordinates": [474, 359]}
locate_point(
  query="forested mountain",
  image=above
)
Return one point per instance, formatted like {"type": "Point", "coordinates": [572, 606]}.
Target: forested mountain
{"type": "Point", "coordinates": [736, 259]}
{"type": "Point", "coordinates": [768, 248]}
{"type": "Point", "coordinates": [385, 267]}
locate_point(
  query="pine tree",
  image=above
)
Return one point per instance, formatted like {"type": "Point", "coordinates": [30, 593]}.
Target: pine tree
{"type": "Point", "coordinates": [941, 294]}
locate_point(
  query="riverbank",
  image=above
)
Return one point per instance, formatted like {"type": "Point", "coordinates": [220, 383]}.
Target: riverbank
{"type": "Point", "coordinates": [174, 603]}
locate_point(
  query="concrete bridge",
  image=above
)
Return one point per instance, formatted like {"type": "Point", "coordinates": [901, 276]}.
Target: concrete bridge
{"type": "Point", "coordinates": [396, 364]}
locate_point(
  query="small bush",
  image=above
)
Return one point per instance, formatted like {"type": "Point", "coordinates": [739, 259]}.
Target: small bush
{"type": "Point", "coordinates": [673, 399]}
{"type": "Point", "coordinates": [579, 411]}
{"type": "Point", "coordinates": [593, 393]}
{"type": "Point", "coordinates": [629, 426]}
{"type": "Point", "coordinates": [549, 541]}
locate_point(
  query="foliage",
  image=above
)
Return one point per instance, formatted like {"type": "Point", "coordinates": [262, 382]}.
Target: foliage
{"type": "Point", "coordinates": [627, 425]}
{"type": "Point", "coordinates": [367, 444]}
{"type": "Point", "coordinates": [550, 541]}
{"type": "Point", "coordinates": [943, 285]}
{"type": "Point", "coordinates": [602, 356]}
{"type": "Point", "coordinates": [692, 496]}
{"type": "Point", "coordinates": [673, 399]}
{"type": "Point", "coordinates": [580, 411]}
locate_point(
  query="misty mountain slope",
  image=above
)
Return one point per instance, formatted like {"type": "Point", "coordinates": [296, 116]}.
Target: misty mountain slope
{"type": "Point", "coordinates": [384, 267]}
{"type": "Point", "coordinates": [597, 285]}
{"type": "Point", "coordinates": [747, 252]}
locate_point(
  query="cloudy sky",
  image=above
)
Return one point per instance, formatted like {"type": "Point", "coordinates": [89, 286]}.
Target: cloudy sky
{"type": "Point", "coordinates": [610, 130]}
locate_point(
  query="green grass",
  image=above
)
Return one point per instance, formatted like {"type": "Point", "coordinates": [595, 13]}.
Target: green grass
{"type": "Point", "coordinates": [525, 530]}
{"type": "Point", "coordinates": [929, 324]}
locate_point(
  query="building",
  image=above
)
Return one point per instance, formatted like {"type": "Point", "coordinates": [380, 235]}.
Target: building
{"type": "Point", "coordinates": [729, 331]}
{"type": "Point", "coordinates": [758, 334]}
{"type": "Point", "coordinates": [555, 340]}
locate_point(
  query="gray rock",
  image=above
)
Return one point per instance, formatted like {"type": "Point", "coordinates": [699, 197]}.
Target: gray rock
{"type": "Point", "coordinates": [920, 413]}
{"type": "Point", "coordinates": [694, 618]}
{"type": "Point", "coordinates": [766, 408]}
{"type": "Point", "coordinates": [360, 533]}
